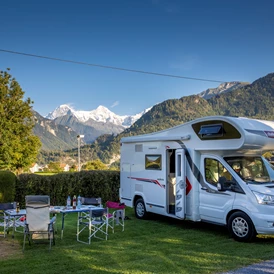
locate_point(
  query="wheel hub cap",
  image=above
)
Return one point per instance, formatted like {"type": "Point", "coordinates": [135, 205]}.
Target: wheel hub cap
{"type": "Point", "coordinates": [240, 227]}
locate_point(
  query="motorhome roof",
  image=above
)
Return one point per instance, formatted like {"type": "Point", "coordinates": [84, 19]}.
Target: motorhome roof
{"type": "Point", "coordinates": [245, 132]}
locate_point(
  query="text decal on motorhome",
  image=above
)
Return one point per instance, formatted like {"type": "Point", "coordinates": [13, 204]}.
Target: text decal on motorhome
{"type": "Point", "coordinates": [270, 134]}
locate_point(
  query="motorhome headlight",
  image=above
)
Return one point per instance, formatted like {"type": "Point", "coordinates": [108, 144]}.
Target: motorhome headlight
{"type": "Point", "coordinates": [264, 199]}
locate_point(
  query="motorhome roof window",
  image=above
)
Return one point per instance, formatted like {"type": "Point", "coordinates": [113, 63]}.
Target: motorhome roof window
{"type": "Point", "coordinates": [209, 131]}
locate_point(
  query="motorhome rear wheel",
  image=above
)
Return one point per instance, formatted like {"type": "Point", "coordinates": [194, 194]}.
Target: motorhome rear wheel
{"type": "Point", "coordinates": [140, 209]}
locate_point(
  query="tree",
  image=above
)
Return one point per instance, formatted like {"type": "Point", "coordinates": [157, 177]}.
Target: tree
{"type": "Point", "coordinates": [18, 146]}
{"type": "Point", "coordinates": [54, 167]}
{"type": "Point", "coordinates": [95, 164]}
{"type": "Point", "coordinates": [73, 168]}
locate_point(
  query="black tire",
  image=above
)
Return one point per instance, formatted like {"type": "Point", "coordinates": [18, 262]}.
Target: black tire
{"type": "Point", "coordinates": [140, 209]}
{"type": "Point", "coordinates": [241, 227]}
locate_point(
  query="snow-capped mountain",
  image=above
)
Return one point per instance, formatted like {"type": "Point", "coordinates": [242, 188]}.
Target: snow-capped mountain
{"type": "Point", "coordinates": [222, 88]}
{"type": "Point", "coordinates": [101, 115]}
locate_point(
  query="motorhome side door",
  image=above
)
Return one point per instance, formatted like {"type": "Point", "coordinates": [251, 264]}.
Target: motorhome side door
{"type": "Point", "coordinates": [180, 170]}
{"type": "Point", "coordinates": [125, 185]}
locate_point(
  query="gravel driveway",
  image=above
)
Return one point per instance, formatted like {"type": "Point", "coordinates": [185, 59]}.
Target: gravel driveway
{"type": "Point", "coordinates": [260, 268]}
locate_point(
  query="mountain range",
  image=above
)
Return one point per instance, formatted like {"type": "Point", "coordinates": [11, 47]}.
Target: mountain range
{"type": "Point", "coordinates": [59, 129]}
{"type": "Point", "coordinates": [253, 100]}
{"type": "Point", "coordinates": [222, 88]}
{"type": "Point", "coordinates": [100, 115]}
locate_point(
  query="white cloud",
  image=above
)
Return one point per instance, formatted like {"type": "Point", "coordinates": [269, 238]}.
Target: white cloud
{"type": "Point", "coordinates": [116, 103]}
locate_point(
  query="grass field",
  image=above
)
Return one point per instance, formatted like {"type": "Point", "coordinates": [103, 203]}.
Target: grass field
{"type": "Point", "coordinates": [158, 245]}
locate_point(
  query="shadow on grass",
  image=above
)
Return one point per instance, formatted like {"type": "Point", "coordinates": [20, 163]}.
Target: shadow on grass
{"type": "Point", "coordinates": [189, 225]}
{"type": "Point", "coordinates": [209, 228]}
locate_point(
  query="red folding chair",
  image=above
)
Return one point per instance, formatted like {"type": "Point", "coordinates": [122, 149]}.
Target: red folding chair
{"type": "Point", "coordinates": [115, 214]}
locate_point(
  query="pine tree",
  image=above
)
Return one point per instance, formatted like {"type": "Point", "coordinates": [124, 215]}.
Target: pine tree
{"type": "Point", "coordinates": [18, 146]}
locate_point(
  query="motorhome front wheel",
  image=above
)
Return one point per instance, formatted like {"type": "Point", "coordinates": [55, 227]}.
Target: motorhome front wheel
{"type": "Point", "coordinates": [241, 227]}
{"type": "Point", "coordinates": [140, 209]}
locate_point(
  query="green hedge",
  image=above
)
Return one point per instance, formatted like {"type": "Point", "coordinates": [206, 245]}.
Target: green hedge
{"type": "Point", "coordinates": [7, 186]}
{"type": "Point", "coordinates": [94, 183]}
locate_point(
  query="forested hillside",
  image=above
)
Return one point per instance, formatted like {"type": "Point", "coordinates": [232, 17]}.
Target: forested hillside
{"type": "Point", "coordinates": [53, 136]}
{"type": "Point", "coordinates": [255, 100]}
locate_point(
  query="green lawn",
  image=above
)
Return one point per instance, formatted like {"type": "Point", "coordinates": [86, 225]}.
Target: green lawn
{"type": "Point", "coordinates": [158, 245]}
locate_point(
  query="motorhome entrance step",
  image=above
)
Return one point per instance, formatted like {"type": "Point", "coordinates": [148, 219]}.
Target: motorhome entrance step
{"type": "Point", "coordinates": [171, 209]}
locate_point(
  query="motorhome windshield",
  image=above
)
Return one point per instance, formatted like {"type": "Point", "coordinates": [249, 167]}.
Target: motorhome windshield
{"type": "Point", "coordinates": [250, 169]}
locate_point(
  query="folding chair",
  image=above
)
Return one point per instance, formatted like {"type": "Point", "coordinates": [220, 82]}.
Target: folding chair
{"type": "Point", "coordinates": [5, 221]}
{"type": "Point", "coordinates": [38, 224]}
{"type": "Point", "coordinates": [115, 212]}
{"type": "Point", "coordinates": [91, 201]}
{"type": "Point", "coordinates": [85, 201]}
{"type": "Point", "coordinates": [95, 223]}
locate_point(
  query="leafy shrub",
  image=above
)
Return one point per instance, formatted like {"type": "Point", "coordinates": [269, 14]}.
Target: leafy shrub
{"type": "Point", "coordinates": [7, 186]}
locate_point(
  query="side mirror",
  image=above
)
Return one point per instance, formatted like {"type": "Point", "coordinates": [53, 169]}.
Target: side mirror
{"type": "Point", "coordinates": [221, 184]}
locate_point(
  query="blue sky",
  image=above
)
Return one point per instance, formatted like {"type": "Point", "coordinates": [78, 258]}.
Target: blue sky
{"type": "Point", "coordinates": [215, 40]}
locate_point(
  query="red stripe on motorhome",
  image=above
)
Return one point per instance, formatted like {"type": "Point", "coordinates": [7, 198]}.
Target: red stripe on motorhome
{"type": "Point", "coordinates": [188, 186]}
{"type": "Point", "coordinates": [148, 180]}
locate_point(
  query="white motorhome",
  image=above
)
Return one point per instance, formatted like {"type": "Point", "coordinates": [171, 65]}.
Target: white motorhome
{"type": "Point", "coordinates": [210, 169]}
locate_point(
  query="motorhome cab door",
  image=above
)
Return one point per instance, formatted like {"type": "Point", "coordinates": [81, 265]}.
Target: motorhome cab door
{"type": "Point", "coordinates": [214, 204]}
{"type": "Point", "coordinates": [180, 171]}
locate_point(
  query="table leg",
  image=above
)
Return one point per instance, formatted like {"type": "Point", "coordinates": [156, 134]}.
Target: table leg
{"type": "Point", "coordinates": [7, 224]}
{"type": "Point", "coordinates": [13, 229]}
{"type": "Point", "coordinates": [63, 224]}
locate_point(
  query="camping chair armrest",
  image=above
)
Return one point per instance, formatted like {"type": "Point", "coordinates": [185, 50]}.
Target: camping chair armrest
{"type": "Point", "coordinates": [53, 220]}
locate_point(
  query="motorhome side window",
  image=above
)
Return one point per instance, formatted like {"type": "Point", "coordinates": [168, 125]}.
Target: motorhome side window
{"type": "Point", "coordinates": [153, 162]}
{"type": "Point", "coordinates": [214, 170]}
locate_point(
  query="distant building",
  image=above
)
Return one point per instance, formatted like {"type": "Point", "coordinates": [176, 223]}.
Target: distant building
{"type": "Point", "coordinates": [34, 168]}
{"type": "Point", "coordinates": [64, 167]}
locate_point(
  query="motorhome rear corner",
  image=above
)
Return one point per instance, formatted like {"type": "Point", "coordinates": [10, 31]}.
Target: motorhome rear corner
{"type": "Point", "coordinates": [210, 169]}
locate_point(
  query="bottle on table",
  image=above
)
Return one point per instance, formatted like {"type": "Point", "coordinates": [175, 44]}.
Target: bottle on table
{"type": "Point", "coordinates": [68, 202]}
{"type": "Point", "coordinates": [79, 202]}
{"type": "Point", "coordinates": [74, 202]}
{"type": "Point", "coordinates": [17, 208]}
